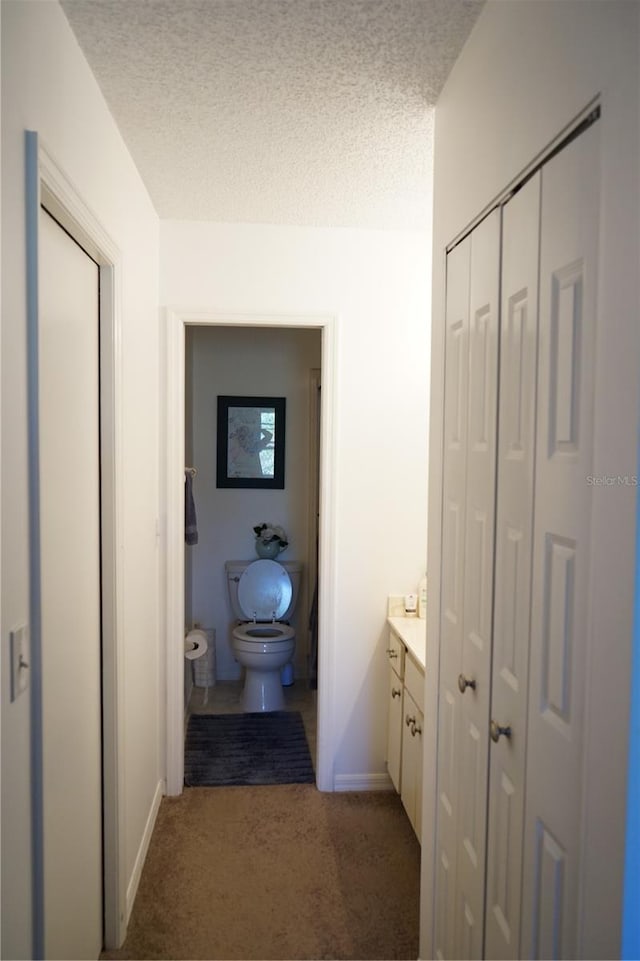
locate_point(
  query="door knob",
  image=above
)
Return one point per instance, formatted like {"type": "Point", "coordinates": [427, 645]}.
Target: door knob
{"type": "Point", "coordinates": [395, 692]}
{"type": "Point", "coordinates": [496, 731]}
{"type": "Point", "coordinates": [464, 683]}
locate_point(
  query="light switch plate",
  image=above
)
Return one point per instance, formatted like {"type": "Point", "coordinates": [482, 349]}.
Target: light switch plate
{"type": "Point", "coordinates": [20, 660]}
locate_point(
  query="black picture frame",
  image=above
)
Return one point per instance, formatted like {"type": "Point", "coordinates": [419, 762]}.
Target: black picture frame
{"type": "Point", "coordinates": [251, 442]}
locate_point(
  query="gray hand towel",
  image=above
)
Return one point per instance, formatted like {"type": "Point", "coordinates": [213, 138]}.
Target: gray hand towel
{"type": "Point", "coordinates": [190, 522]}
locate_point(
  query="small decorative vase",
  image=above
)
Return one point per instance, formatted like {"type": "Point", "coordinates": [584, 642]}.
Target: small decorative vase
{"type": "Point", "coordinates": [269, 550]}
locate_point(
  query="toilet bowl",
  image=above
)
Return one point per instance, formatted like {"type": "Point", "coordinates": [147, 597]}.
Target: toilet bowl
{"type": "Point", "coordinates": [262, 592]}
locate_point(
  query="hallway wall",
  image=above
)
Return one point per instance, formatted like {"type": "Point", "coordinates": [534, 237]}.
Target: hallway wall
{"type": "Point", "coordinates": [246, 362]}
{"type": "Point", "coordinates": [47, 87]}
{"type": "Point", "coordinates": [376, 284]}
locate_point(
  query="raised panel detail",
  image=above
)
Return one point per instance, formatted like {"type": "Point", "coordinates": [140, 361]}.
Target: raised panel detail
{"type": "Point", "coordinates": [504, 885]}
{"type": "Point", "coordinates": [558, 614]}
{"type": "Point", "coordinates": [564, 381]}
{"type": "Point", "coordinates": [550, 873]}
{"type": "Point", "coordinates": [480, 356]}
{"type": "Point", "coordinates": [473, 800]}
{"type": "Point", "coordinates": [443, 902]}
{"type": "Point", "coordinates": [477, 579]}
{"type": "Point", "coordinates": [451, 562]}
{"type": "Point", "coordinates": [466, 932]}
{"type": "Point", "coordinates": [507, 634]}
{"type": "Point", "coordinates": [513, 407]}
{"type": "Point", "coordinates": [456, 375]}
{"type": "Point", "coordinates": [447, 770]}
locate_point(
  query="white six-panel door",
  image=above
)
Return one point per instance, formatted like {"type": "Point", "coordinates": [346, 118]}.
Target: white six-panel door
{"type": "Point", "coordinates": [474, 677]}
{"type": "Point", "coordinates": [70, 579]}
{"type": "Point", "coordinates": [561, 550]}
{"type": "Point", "coordinates": [514, 528]}
{"type": "Point", "coordinates": [468, 523]}
{"type": "Point", "coordinates": [453, 567]}
{"type": "Point", "coordinates": [515, 635]}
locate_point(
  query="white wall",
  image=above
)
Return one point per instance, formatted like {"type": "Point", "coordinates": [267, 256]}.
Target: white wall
{"type": "Point", "coordinates": [527, 70]}
{"type": "Point", "coordinates": [47, 87]}
{"type": "Point", "coordinates": [247, 362]}
{"type": "Point", "coordinates": [377, 285]}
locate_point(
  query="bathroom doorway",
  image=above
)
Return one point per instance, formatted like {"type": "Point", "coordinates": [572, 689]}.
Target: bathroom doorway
{"type": "Point", "coordinates": [244, 362]}
{"type": "Point", "coordinates": [228, 529]}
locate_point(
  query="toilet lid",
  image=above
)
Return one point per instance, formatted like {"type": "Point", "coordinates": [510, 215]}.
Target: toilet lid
{"type": "Point", "coordinates": [264, 591]}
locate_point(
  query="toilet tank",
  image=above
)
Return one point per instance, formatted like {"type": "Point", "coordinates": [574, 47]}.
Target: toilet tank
{"type": "Point", "coordinates": [234, 570]}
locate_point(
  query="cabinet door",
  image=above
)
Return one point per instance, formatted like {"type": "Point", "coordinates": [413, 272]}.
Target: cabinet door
{"type": "Point", "coordinates": [394, 729]}
{"type": "Point", "coordinates": [560, 628]}
{"type": "Point", "coordinates": [412, 762]}
{"type": "Point", "coordinates": [396, 654]}
{"type": "Point", "coordinates": [514, 526]}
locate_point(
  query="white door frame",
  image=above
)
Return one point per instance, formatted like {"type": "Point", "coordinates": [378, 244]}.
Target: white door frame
{"type": "Point", "coordinates": [47, 184]}
{"type": "Point", "coordinates": [173, 400]}
{"type": "Point", "coordinates": [315, 422]}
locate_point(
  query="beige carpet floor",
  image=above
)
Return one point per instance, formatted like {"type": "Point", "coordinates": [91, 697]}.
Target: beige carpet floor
{"type": "Point", "coordinates": [279, 872]}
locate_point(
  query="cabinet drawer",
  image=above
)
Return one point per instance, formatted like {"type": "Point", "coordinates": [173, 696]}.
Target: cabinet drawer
{"type": "Point", "coordinates": [414, 682]}
{"type": "Point", "coordinates": [395, 654]}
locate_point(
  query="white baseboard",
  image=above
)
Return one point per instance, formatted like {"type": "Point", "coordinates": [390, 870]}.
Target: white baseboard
{"type": "Point", "coordinates": [362, 782]}
{"type": "Point", "coordinates": [132, 887]}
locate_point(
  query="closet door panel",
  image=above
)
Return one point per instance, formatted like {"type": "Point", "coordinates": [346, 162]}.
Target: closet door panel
{"type": "Point", "coordinates": [484, 307]}
{"type": "Point", "coordinates": [514, 529]}
{"type": "Point", "coordinates": [453, 568]}
{"type": "Point", "coordinates": [561, 558]}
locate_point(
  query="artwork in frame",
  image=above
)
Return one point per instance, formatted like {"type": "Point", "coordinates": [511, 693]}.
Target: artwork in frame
{"type": "Point", "coordinates": [250, 446]}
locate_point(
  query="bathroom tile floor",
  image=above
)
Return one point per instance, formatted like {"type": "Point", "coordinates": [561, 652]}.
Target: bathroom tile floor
{"type": "Point", "coordinates": [224, 698]}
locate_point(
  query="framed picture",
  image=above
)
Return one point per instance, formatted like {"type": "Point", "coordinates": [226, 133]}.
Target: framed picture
{"type": "Point", "coordinates": [251, 434]}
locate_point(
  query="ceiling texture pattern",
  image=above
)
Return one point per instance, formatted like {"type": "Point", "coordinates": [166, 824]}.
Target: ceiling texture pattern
{"type": "Point", "coordinates": [307, 112]}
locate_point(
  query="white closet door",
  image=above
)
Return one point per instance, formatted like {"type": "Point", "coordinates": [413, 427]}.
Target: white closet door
{"type": "Point", "coordinates": [561, 559]}
{"type": "Point", "coordinates": [467, 585]}
{"type": "Point", "coordinates": [70, 541]}
{"type": "Point", "coordinates": [514, 529]}
{"type": "Point", "coordinates": [475, 668]}
{"type": "Point", "coordinates": [452, 590]}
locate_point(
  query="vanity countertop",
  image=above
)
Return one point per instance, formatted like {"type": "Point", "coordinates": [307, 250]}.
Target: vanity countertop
{"type": "Point", "coordinates": [412, 631]}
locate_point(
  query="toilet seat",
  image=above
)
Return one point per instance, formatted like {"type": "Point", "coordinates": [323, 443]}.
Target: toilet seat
{"type": "Point", "coordinates": [264, 591]}
{"type": "Point", "coordinates": [265, 633]}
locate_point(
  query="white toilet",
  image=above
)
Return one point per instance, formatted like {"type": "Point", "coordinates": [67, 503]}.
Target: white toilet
{"type": "Point", "coordinates": [263, 597]}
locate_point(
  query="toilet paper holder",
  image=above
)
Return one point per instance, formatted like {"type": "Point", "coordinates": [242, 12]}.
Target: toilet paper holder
{"type": "Point", "coordinates": [195, 644]}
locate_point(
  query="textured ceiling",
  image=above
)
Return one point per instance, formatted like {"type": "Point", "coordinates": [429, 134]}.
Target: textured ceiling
{"type": "Point", "coordinates": [310, 112]}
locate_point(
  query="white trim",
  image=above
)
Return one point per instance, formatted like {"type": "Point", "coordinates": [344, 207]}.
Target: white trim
{"type": "Point", "coordinates": [61, 198]}
{"type": "Point", "coordinates": [173, 467]}
{"type": "Point", "coordinates": [313, 486]}
{"type": "Point", "coordinates": [136, 874]}
{"type": "Point", "coordinates": [363, 782]}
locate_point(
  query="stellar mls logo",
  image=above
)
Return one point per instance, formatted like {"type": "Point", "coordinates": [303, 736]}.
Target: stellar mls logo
{"type": "Point", "coordinates": [612, 480]}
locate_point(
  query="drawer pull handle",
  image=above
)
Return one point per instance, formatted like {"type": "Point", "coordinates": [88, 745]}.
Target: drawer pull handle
{"type": "Point", "coordinates": [409, 720]}
{"type": "Point", "coordinates": [391, 652]}
{"type": "Point", "coordinates": [395, 692]}
{"type": "Point", "coordinates": [497, 731]}
{"type": "Point", "coordinates": [464, 683]}
{"type": "Point", "coordinates": [415, 729]}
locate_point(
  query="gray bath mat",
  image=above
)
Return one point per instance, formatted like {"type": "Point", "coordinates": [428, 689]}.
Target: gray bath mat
{"type": "Point", "coordinates": [269, 748]}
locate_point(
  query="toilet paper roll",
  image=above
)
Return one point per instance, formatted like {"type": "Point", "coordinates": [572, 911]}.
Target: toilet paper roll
{"type": "Point", "coordinates": [195, 644]}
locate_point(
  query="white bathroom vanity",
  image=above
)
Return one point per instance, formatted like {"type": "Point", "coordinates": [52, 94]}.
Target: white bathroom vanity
{"type": "Point", "coordinates": [406, 655]}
